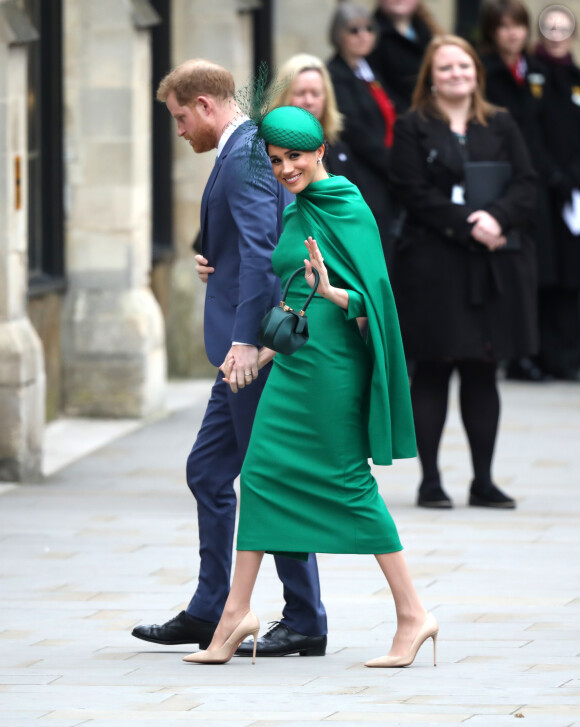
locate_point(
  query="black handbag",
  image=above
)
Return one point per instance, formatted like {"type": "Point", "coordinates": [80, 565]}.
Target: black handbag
{"type": "Point", "coordinates": [283, 329]}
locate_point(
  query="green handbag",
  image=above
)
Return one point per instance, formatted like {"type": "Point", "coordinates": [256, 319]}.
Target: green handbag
{"type": "Point", "coordinates": [283, 329]}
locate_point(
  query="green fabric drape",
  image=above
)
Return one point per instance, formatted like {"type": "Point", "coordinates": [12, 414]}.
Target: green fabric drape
{"type": "Point", "coordinates": [334, 211]}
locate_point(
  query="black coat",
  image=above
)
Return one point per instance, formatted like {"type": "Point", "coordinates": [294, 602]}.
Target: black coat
{"type": "Point", "coordinates": [561, 126]}
{"type": "Point", "coordinates": [525, 105]}
{"type": "Point", "coordinates": [397, 59]}
{"type": "Point", "coordinates": [338, 160]}
{"type": "Point", "coordinates": [457, 300]}
{"type": "Point", "coordinates": [364, 133]}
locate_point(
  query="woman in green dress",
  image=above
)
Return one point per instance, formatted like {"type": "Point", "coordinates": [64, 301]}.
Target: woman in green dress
{"type": "Point", "coordinates": [306, 484]}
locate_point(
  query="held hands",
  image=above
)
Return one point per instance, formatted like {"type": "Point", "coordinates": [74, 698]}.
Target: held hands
{"type": "Point", "coordinates": [486, 230]}
{"type": "Point", "coordinates": [240, 366]}
{"type": "Point", "coordinates": [231, 372]}
{"type": "Point", "coordinates": [202, 268]}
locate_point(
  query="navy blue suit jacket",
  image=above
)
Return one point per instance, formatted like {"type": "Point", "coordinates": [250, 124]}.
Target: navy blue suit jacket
{"type": "Point", "coordinates": [241, 221]}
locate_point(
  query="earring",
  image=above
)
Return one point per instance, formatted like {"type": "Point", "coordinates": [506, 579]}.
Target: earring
{"type": "Point", "coordinates": [433, 90]}
{"type": "Point", "coordinates": [319, 161]}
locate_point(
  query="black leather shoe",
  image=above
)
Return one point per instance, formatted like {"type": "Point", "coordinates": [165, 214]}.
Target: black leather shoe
{"type": "Point", "coordinates": [281, 640]}
{"type": "Point", "coordinates": [183, 629]}
{"type": "Point", "coordinates": [434, 496]}
{"type": "Point", "coordinates": [490, 496]}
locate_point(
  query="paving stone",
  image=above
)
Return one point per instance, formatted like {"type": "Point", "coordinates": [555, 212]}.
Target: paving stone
{"type": "Point", "coordinates": [110, 541]}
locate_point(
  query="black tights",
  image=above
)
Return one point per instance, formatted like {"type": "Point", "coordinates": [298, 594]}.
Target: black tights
{"type": "Point", "coordinates": [479, 400]}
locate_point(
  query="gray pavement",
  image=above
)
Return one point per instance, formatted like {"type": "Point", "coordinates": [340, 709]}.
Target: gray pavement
{"type": "Point", "coordinates": [110, 541]}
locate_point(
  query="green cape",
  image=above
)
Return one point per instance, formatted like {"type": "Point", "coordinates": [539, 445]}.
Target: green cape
{"type": "Point", "coordinates": [334, 212]}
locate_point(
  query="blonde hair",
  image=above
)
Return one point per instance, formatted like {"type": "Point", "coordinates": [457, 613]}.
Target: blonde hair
{"type": "Point", "coordinates": [423, 99]}
{"type": "Point", "coordinates": [331, 120]}
{"type": "Point", "coordinates": [194, 78]}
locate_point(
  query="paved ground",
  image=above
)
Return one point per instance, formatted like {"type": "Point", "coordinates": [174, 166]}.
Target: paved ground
{"type": "Point", "coordinates": [110, 541]}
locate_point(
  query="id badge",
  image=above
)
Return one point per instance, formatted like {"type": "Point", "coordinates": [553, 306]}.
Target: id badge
{"type": "Point", "coordinates": [458, 194]}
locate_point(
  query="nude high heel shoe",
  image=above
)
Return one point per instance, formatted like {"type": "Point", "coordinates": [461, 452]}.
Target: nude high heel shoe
{"type": "Point", "coordinates": [429, 630]}
{"type": "Point", "coordinates": [248, 626]}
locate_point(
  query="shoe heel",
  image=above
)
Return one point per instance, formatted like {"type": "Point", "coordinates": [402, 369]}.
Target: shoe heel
{"type": "Point", "coordinates": [313, 651]}
{"type": "Point", "coordinates": [434, 649]}
{"type": "Point", "coordinates": [255, 634]}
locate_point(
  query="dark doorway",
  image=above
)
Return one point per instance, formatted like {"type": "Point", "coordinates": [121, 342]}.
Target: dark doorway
{"type": "Point", "coordinates": [161, 183]}
{"type": "Point", "coordinates": [45, 147]}
{"type": "Point", "coordinates": [466, 19]}
{"type": "Point", "coordinates": [262, 22]}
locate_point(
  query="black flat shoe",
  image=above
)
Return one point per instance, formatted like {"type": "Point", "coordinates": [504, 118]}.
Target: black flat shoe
{"type": "Point", "coordinates": [435, 497]}
{"type": "Point", "coordinates": [281, 640]}
{"type": "Point", "coordinates": [183, 629]}
{"type": "Point", "coordinates": [490, 496]}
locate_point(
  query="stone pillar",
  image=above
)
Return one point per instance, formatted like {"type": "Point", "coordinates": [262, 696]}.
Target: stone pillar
{"type": "Point", "coordinates": [22, 379]}
{"type": "Point", "coordinates": [114, 359]}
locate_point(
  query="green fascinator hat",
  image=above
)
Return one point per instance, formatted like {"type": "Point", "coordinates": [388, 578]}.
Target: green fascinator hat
{"type": "Point", "coordinates": [292, 128]}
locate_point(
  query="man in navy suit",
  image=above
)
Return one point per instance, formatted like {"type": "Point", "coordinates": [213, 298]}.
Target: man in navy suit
{"type": "Point", "coordinates": [241, 215]}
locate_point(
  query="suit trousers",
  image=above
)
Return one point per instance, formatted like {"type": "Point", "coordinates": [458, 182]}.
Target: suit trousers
{"type": "Point", "coordinates": [212, 466]}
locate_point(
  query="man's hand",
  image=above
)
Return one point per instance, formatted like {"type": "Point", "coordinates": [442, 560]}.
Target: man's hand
{"type": "Point", "coordinates": [240, 366]}
{"type": "Point", "coordinates": [202, 268]}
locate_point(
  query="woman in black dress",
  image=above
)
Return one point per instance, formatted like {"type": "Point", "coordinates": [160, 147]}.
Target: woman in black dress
{"type": "Point", "coordinates": [516, 80]}
{"type": "Point", "coordinates": [464, 303]}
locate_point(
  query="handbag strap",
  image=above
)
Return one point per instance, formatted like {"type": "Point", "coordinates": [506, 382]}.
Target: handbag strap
{"type": "Point", "coordinates": [312, 292]}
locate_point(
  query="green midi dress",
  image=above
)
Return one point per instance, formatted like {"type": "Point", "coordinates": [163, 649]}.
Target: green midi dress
{"type": "Point", "coordinates": [306, 483]}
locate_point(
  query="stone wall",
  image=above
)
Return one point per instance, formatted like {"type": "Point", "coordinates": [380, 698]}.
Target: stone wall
{"type": "Point", "coordinates": [22, 379]}
{"type": "Point", "coordinates": [113, 332]}
{"type": "Point", "coordinates": [45, 313]}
